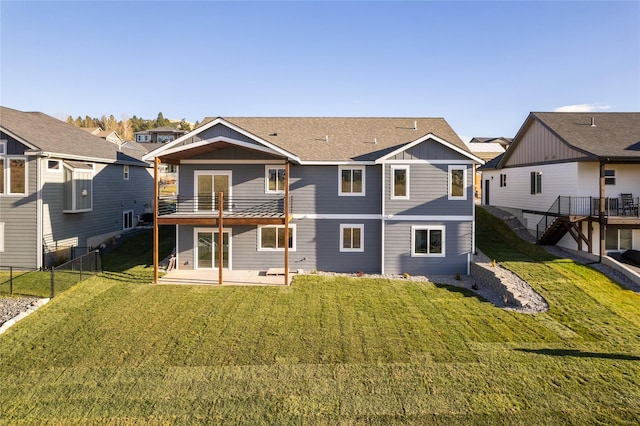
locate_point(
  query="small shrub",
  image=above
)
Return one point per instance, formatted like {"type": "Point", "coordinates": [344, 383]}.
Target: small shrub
{"type": "Point", "coordinates": [359, 273]}
{"type": "Point", "coordinates": [406, 275]}
{"type": "Point", "coordinates": [457, 277]}
{"type": "Point", "coordinates": [493, 263]}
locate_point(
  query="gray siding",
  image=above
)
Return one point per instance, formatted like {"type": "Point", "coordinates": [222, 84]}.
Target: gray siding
{"type": "Point", "coordinates": [317, 247]}
{"type": "Point", "coordinates": [19, 215]}
{"type": "Point", "coordinates": [112, 195]}
{"type": "Point", "coordinates": [428, 192]}
{"type": "Point", "coordinates": [219, 131]}
{"type": "Point", "coordinates": [428, 150]}
{"type": "Point", "coordinates": [314, 189]}
{"type": "Point", "coordinates": [398, 260]}
{"type": "Point", "coordinates": [237, 153]}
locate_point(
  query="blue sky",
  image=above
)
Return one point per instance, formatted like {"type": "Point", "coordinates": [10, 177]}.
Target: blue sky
{"type": "Point", "coordinates": [481, 65]}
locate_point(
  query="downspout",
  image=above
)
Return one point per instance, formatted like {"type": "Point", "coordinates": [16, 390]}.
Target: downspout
{"type": "Point", "coordinates": [286, 223]}
{"type": "Point", "coordinates": [39, 214]}
{"type": "Point", "coordinates": [382, 220]}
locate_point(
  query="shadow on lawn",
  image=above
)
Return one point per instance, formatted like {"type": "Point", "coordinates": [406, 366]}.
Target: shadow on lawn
{"type": "Point", "coordinates": [580, 354]}
{"type": "Point", "coordinates": [464, 291]}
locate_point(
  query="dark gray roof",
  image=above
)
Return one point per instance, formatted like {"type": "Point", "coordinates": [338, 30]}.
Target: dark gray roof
{"type": "Point", "coordinates": [343, 138]}
{"type": "Point", "coordinates": [614, 134]}
{"type": "Point", "coordinates": [53, 136]}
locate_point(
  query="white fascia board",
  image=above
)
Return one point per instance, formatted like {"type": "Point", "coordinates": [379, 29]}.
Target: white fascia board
{"type": "Point", "coordinates": [218, 140]}
{"type": "Point", "coordinates": [390, 217]}
{"type": "Point", "coordinates": [166, 149]}
{"type": "Point", "coordinates": [18, 138]}
{"type": "Point", "coordinates": [57, 155]}
{"type": "Point", "coordinates": [424, 138]}
{"type": "Point", "coordinates": [337, 163]}
{"type": "Point", "coordinates": [427, 218]}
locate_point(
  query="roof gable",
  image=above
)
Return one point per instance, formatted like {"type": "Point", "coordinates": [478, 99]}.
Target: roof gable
{"type": "Point", "coordinates": [330, 140]}
{"type": "Point", "coordinates": [568, 136]}
{"type": "Point", "coordinates": [49, 135]}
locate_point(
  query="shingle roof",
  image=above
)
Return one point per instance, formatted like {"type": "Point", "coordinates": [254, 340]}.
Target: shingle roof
{"type": "Point", "coordinates": [615, 134]}
{"type": "Point", "coordinates": [343, 139]}
{"type": "Point", "coordinates": [51, 135]}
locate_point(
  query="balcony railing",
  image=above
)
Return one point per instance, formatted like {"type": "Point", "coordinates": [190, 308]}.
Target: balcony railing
{"type": "Point", "coordinates": [588, 207]}
{"type": "Point", "coordinates": [231, 206]}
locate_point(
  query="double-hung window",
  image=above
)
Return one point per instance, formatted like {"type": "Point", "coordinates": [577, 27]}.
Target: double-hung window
{"type": "Point", "coordinates": [400, 182]}
{"type": "Point", "coordinates": [351, 180]}
{"type": "Point", "coordinates": [457, 183]}
{"type": "Point", "coordinates": [13, 172]}
{"type": "Point", "coordinates": [272, 238]}
{"type": "Point", "coordinates": [274, 179]}
{"type": "Point", "coordinates": [610, 177]}
{"type": "Point", "coordinates": [503, 180]}
{"type": "Point", "coordinates": [125, 172]}
{"type": "Point", "coordinates": [352, 238]}
{"type": "Point", "coordinates": [536, 182]}
{"type": "Point", "coordinates": [427, 241]}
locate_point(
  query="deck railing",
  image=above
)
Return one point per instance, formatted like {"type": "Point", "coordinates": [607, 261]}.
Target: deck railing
{"type": "Point", "coordinates": [236, 206]}
{"type": "Point", "coordinates": [588, 207]}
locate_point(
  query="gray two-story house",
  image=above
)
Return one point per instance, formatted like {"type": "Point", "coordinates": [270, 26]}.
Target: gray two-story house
{"type": "Point", "coordinates": [63, 188]}
{"type": "Point", "coordinates": [376, 195]}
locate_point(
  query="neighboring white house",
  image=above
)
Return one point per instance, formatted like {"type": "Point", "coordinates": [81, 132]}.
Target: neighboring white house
{"type": "Point", "coordinates": [569, 176]}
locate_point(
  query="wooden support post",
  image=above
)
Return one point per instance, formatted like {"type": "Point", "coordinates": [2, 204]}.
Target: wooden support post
{"type": "Point", "coordinates": [220, 237]}
{"type": "Point", "coordinates": [156, 245]}
{"type": "Point", "coordinates": [286, 223]}
{"type": "Point", "coordinates": [590, 235]}
{"type": "Point", "coordinates": [601, 211]}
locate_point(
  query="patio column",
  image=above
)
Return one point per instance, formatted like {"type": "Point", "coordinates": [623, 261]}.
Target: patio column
{"type": "Point", "coordinates": [601, 211]}
{"type": "Point", "coordinates": [156, 161]}
{"type": "Point", "coordinates": [286, 223]}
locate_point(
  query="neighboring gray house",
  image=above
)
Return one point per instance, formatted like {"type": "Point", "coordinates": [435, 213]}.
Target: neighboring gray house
{"type": "Point", "coordinates": [377, 195]}
{"type": "Point", "coordinates": [159, 135]}
{"type": "Point", "coordinates": [63, 187]}
{"type": "Point", "coordinates": [573, 179]}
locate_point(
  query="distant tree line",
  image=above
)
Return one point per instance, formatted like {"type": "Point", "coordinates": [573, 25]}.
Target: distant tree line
{"type": "Point", "coordinates": [126, 127]}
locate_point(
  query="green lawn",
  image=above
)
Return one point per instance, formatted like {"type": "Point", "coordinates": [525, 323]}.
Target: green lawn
{"type": "Point", "coordinates": [115, 350]}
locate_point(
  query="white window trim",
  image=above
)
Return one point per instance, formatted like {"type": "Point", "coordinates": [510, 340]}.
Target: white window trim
{"type": "Point", "coordinates": [50, 170]}
{"type": "Point", "coordinates": [195, 247]}
{"type": "Point", "coordinates": [350, 226]}
{"type": "Point", "coordinates": [1, 237]}
{"type": "Point", "coordinates": [125, 172]}
{"type": "Point", "coordinates": [364, 181]}
{"type": "Point", "coordinates": [7, 175]}
{"type": "Point", "coordinates": [3, 147]}
{"type": "Point", "coordinates": [464, 183]}
{"type": "Point", "coordinates": [124, 213]}
{"type": "Point", "coordinates": [293, 243]}
{"type": "Point", "coordinates": [393, 182]}
{"type": "Point", "coordinates": [427, 228]}
{"type": "Point", "coordinates": [73, 189]}
{"type": "Point", "coordinates": [266, 178]}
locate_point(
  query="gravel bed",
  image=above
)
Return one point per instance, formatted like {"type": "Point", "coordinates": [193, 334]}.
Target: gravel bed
{"type": "Point", "coordinates": [11, 307]}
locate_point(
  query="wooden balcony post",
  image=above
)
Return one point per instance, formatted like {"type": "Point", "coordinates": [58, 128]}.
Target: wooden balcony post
{"type": "Point", "coordinates": [286, 223]}
{"type": "Point", "coordinates": [156, 245]}
{"type": "Point", "coordinates": [601, 211]}
{"type": "Point", "coordinates": [220, 237]}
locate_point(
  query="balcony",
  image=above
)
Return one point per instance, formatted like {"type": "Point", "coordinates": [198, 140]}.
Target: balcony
{"type": "Point", "coordinates": [185, 210]}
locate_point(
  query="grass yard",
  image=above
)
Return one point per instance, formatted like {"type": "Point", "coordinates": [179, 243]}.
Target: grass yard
{"type": "Point", "coordinates": [115, 350]}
